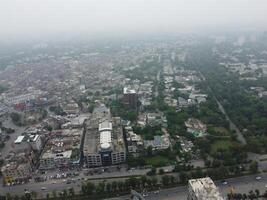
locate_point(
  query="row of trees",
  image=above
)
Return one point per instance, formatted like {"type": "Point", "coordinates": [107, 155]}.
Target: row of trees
{"type": "Point", "coordinates": [105, 189]}
{"type": "Point", "coordinates": [250, 196]}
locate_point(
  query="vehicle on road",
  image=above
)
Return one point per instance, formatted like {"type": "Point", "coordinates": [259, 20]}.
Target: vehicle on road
{"type": "Point", "coordinates": [258, 178]}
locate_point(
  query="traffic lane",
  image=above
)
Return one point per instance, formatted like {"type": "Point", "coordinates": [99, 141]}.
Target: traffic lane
{"type": "Point", "coordinates": [244, 184]}
{"type": "Point", "coordinates": [241, 184]}
{"type": "Point", "coordinates": [58, 184]}
{"type": "Point", "coordinates": [169, 194]}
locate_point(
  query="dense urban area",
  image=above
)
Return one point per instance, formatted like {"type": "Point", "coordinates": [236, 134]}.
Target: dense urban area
{"type": "Point", "coordinates": [177, 117]}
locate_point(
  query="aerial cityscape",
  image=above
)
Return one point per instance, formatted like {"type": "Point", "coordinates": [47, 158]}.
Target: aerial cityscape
{"type": "Point", "coordinates": [154, 115]}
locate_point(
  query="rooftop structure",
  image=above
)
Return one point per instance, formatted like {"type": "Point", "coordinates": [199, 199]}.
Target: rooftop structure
{"type": "Point", "coordinates": [130, 97]}
{"type": "Point", "coordinates": [27, 142]}
{"type": "Point", "coordinates": [128, 91]}
{"type": "Point", "coordinates": [203, 189]}
{"type": "Point", "coordinates": [159, 142]}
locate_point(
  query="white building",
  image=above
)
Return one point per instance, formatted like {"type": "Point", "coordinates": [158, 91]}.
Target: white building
{"type": "Point", "coordinates": [203, 189]}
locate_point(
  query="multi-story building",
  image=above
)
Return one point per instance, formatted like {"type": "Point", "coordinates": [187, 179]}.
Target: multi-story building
{"type": "Point", "coordinates": [62, 150]}
{"type": "Point", "coordinates": [203, 189]}
{"type": "Point", "coordinates": [14, 172]}
{"type": "Point", "coordinates": [28, 142]}
{"type": "Point", "coordinates": [104, 144]}
{"type": "Point", "coordinates": [130, 97]}
{"type": "Point", "coordinates": [134, 142]}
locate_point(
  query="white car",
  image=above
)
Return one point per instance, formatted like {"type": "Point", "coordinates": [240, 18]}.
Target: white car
{"type": "Point", "coordinates": [224, 183]}
{"type": "Point", "coordinates": [258, 178]}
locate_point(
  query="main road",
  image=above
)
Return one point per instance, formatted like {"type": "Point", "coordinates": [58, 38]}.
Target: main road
{"type": "Point", "coordinates": [242, 185]}
{"type": "Point", "coordinates": [238, 185]}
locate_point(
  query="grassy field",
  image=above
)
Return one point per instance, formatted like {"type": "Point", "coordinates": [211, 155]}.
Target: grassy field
{"type": "Point", "coordinates": [221, 144]}
{"type": "Point", "coordinates": [158, 161]}
{"type": "Point", "coordinates": [222, 131]}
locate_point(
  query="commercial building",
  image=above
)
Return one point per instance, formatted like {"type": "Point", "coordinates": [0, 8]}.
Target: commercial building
{"type": "Point", "coordinates": [130, 97]}
{"type": "Point", "coordinates": [203, 189]}
{"type": "Point", "coordinates": [104, 144]}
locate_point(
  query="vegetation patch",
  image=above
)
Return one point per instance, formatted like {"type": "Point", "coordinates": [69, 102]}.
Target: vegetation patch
{"type": "Point", "coordinates": [221, 145]}
{"type": "Point", "coordinates": [157, 161]}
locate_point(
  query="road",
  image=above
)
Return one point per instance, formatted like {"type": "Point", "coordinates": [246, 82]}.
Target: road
{"type": "Point", "coordinates": [156, 89]}
{"type": "Point", "coordinates": [241, 185]}
{"type": "Point", "coordinates": [60, 184]}
{"type": "Point", "coordinates": [240, 137]}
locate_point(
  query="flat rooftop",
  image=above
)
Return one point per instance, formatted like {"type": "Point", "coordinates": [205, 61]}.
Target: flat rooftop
{"type": "Point", "coordinates": [103, 135]}
{"type": "Point", "coordinates": [205, 189]}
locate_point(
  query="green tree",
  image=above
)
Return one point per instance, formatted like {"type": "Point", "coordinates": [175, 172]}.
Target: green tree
{"type": "Point", "coordinates": [253, 167]}
{"type": "Point", "coordinates": [114, 186]}
{"type": "Point", "coordinates": [165, 180]}
{"type": "Point", "coordinates": [71, 192]}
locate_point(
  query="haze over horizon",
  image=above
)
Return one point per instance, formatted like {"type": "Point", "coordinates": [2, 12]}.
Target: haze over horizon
{"type": "Point", "coordinates": [31, 18]}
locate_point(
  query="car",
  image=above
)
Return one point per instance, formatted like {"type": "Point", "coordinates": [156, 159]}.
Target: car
{"type": "Point", "coordinates": [258, 178]}
{"type": "Point", "coordinates": [145, 195]}
{"type": "Point", "coordinates": [43, 188]}
{"type": "Point", "coordinates": [224, 182]}
{"type": "Point", "coordinates": [156, 192]}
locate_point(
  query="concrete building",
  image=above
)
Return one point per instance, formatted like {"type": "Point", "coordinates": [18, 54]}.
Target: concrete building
{"type": "Point", "coordinates": [63, 150]}
{"type": "Point", "coordinates": [104, 144]}
{"type": "Point", "coordinates": [203, 189]}
{"type": "Point", "coordinates": [159, 142]}
{"type": "Point", "coordinates": [134, 142]}
{"type": "Point", "coordinates": [130, 97]}
{"type": "Point", "coordinates": [196, 127]}
{"type": "Point", "coordinates": [156, 119]}
{"type": "Point", "coordinates": [15, 172]}
{"type": "Point", "coordinates": [28, 142]}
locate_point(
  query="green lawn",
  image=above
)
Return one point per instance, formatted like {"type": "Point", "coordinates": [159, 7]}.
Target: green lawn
{"type": "Point", "coordinates": [221, 144]}
{"type": "Point", "coordinates": [157, 161]}
{"type": "Point", "coordinates": [222, 131]}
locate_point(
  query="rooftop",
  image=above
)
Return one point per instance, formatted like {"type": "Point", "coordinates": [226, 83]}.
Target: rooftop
{"type": "Point", "coordinates": [205, 189]}
{"type": "Point", "coordinates": [19, 139]}
{"type": "Point", "coordinates": [103, 132]}
{"type": "Point", "coordinates": [128, 91]}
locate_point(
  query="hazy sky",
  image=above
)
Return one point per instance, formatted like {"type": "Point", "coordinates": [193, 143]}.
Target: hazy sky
{"type": "Point", "coordinates": [46, 17]}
